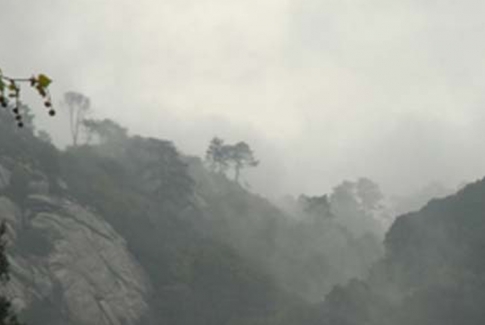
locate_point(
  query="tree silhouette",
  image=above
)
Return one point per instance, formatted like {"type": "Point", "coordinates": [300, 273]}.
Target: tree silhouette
{"type": "Point", "coordinates": [105, 131]}
{"type": "Point", "coordinates": [241, 157]}
{"type": "Point", "coordinates": [220, 157]}
{"type": "Point", "coordinates": [217, 155]}
{"type": "Point", "coordinates": [79, 107]}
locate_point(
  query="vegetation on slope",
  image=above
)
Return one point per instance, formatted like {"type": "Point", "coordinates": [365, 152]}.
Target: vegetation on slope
{"type": "Point", "coordinates": [216, 254]}
{"type": "Point", "coordinates": [433, 271]}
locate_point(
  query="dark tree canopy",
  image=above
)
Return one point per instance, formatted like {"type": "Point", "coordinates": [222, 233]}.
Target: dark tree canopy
{"type": "Point", "coordinates": [241, 156]}
{"type": "Point", "coordinates": [216, 155]}
{"type": "Point", "coordinates": [316, 206]}
{"type": "Point", "coordinates": [220, 157]}
{"type": "Point", "coordinates": [106, 131]}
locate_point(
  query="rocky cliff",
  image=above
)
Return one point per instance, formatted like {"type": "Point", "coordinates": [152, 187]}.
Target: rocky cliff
{"type": "Point", "coordinates": [70, 265]}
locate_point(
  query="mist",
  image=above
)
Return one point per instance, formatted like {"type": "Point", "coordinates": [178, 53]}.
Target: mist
{"type": "Point", "coordinates": [387, 90]}
{"type": "Point", "coordinates": [244, 162]}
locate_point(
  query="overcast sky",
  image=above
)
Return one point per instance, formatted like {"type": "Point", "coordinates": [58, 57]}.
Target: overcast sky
{"type": "Point", "coordinates": [323, 90]}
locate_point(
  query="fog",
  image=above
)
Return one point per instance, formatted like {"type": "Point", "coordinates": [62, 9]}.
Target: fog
{"type": "Point", "coordinates": [322, 90]}
{"type": "Point", "coordinates": [245, 162]}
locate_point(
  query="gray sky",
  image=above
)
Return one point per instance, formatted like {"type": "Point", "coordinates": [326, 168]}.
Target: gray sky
{"type": "Point", "coordinates": [323, 90]}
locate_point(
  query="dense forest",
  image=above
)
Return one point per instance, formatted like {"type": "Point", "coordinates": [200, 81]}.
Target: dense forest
{"type": "Point", "coordinates": [211, 252]}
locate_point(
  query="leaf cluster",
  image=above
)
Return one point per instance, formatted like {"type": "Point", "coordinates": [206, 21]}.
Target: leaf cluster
{"type": "Point", "coordinates": [10, 89]}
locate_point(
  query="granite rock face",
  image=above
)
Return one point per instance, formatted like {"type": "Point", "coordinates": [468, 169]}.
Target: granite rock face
{"type": "Point", "coordinates": [64, 255]}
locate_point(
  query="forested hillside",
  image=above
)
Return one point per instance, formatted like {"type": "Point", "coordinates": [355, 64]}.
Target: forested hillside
{"type": "Point", "coordinates": [127, 230]}
{"type": "Point", "coordinates": [433, 271]}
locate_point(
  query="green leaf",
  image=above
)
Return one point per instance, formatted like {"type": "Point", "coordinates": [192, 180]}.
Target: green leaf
{"type": "Point", "coordinates": [44, 81]}
{"type": "Point", "coordinates": [12, 86]}
{"type": "Point", "coordinates": [2, 85]}
{"type": "Point", "coordinates": [41, 91]}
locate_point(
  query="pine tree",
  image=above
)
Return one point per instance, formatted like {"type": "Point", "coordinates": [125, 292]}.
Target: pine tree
{"type": "Point", "coordinates": [241, 157]}
{"type": "Point", "coordinates": [217, 155]}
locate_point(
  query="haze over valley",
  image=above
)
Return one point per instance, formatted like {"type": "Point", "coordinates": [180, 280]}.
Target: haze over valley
{"type": "Point", "coordinates": [242, 162]}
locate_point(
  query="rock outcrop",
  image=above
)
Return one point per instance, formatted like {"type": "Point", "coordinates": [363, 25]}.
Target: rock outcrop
{"type": "Point", "coordinates": [68, 257]}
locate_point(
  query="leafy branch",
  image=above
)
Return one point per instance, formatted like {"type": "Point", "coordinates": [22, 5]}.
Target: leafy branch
{"type": "Point", "coordinates": [10, 93]}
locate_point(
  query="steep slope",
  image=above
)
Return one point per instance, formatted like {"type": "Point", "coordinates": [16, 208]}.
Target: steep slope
{"type": "Point", "coordinates": [142, 188]}
{"type": "Point", "coordinates": [70, 266]}
{"type": "Point", "coordinates": [433, 272]}
{"type": "Point", "coordinates": [128, 231]}
{"type": "Point", "coordinates": [306, 253]}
